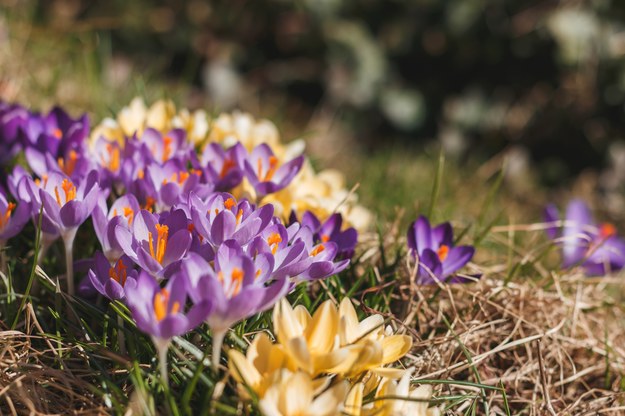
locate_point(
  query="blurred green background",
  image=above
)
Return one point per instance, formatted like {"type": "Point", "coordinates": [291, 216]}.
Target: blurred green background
{"type": "Point", "coordinates": [377, 87]}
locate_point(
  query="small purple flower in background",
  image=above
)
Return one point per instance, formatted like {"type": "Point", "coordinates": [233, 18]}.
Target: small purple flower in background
{"type": "Point", "coordinates": [172, 145]}
{"type": "Point", "coordinates": [435, 250]}
{"type": "Point", "coordinates": [13, 217]}
{"type": "Point", "coordinates": [12, 118]}
{"type": "Point", "coordinates": [156, 243]}
{"type": "Point", "coordinates": [596, 248]}
{"type": "Point", "coordinates": [266, 175]}
{"type": "Point", "coordinates": [330, 230]}
{"type": "Point", "coordinates": [238, 287]}
{"type": "Point", "coordinates": [162, 312]}
{"type": "Point", "coordinates": [109, 280]}
{"type": "Point", "coordinates": [223, 167]}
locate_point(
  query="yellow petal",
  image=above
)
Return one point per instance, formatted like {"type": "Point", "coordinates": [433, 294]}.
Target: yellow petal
{"type": "Point", "coordinates": [303, 316]}
{"type": "Point", "coordinates": [340, 361]}
{"type": "Point", "coordinates": [298, 394]}
{"type": "Point", "coordinates": [348, 322]}
{"type": "Point", "coordinates": [387, 372]}
{"type": "Point", "coordinates": [266, 356]}
{"type": "Point", "coordinates": [329, 402]}
{"type": "Point", "coordinates": [395, 347]}
{"type": "Point", "coordinates": [353, 402]}
{"type": "Point", "coordinates": [321, 331]}
{"type": "Point", "coordinates": [286, 325]}
{"type": "Point", "coordinates": [297, 350]}
{"type": "Point", "coordinates": [243, 371]}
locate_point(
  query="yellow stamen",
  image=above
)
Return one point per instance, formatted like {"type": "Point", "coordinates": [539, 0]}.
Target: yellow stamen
{"type": "Point", "coordinates": [442, 252]}
{"type": "Point", "coordinates": [317, 250]}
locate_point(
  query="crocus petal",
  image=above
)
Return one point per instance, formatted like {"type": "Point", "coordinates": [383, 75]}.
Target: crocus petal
{"type": "Point", "coordinates": [552, 216]}
{"type": "Point", "coordinates": [457, 258]}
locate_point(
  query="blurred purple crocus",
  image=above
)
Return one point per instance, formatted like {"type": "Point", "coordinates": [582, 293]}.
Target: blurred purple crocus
{"type": "Point", "coordinates": [162, 313]}
{"type": "Point", "coordinates": [237, 286]}
{"type": "Point", "coordinates": [156, 243]}
{"type": "Point", "coordinates": [12, 118]}
{"type": "Point", "coordinates": [263, 170]}
{"type": "Point", "coordinates": [13, 217]}
{"type": "Point", "coordinates": [596, 248]}
{"type": "Point", "coordinates": [109, 280]}
{"type": "Point", "coordinates": [223, 167]}
{"type": "Point", "coordinates": [434, 247]}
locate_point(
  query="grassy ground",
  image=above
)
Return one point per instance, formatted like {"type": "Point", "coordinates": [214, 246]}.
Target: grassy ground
{"type": "Point", "coordinates": [525, 339]}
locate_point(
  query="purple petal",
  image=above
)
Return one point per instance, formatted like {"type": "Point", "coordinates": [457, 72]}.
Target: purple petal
{"type": "Point", "coordinates": [457, 258]}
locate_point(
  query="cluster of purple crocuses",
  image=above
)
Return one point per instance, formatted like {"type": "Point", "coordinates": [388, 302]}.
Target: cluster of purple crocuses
{"type": "Point", "coordinates": [176, 247]}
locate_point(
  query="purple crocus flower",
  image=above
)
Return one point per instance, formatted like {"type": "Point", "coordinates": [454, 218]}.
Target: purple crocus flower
{"type": "Point", "coordinates": [435, 250]}
{"type": "Point", "coordinates": [171, 183]}
{"type": "Point", "coordinates": [172, 145]}
{"type": "Point", "coordinates": [67, 206]}
{"type": "Point", "coordinates": [156, 243]}
{"type": "Point", "coordinates": [330, 230]}
{"type": "Point", "coordinates": [237, 286]}
{"type": "Point", "coordinates": [222, 218]}
{"type": "Point", "coordinates": [223, 167]}
{"type": "Point", "coordinates": [162, 313]}
{"type": "Point", "coordinates": [109, 280]}
{"type": "Point", "coordinates": [595, 247]}
{"type": "Point", "coordinates": [266, 175]}
{"type": "Point", "coordinates": [321, 257]}
{"type": "Point", "coordinates": [122, 213]}
{"type": "Point", "coordinates": [12, 118]}
{"type": "Point", "coordinates": [13, 217]}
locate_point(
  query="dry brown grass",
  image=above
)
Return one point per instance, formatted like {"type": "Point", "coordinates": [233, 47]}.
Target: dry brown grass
{"type": "Point", "coordinates": [39, 376]}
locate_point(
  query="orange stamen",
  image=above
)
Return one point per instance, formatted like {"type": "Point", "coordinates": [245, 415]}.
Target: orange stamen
{"type": "Point", "coordinates": [7, 215]}
{"type": "Point", "coordinates": [68, 166]}
{"type": "Point", "coordinates": [237, 278]}
{"type": "Point", "coordinates": [149, 203]}
{"type": "Point", "coordinates": [167, 141]}
{"type": "Point", "coordinates": [161, 242]}
{"type": "Point", "coordinates": [239, 216]}
{"type": "Point", "coordinates": [118, 273]}
{"type": "Point", "coordinates": [140, 174]}
{"type": "Point", "coordinates": [130, 214]}
{"type": "Point", "coordinates": [69, 189]}
{"type": "Point", "coordinates": [273, 166]}
{"type": "Point", "coordinates": [317, 250]}
{"type": "Point", "coordinates": [57, 133]}
{"type": "Point", "coordinates": [161, 299]}
{"type": "Point", "coordinates": [273, 241]}
{"type": "Point", "coordinates": [442, 252]}
{"type": "Point", "coordinates": [229, 203]}
{"type": "Point", "coordinates": [325, 238]}
{"type": "Point", "coordinates": [607, 230]}
{"type": "Point", "coordinates": [227, 167]}
{"type": "Point", "coordinates": [113, 163]}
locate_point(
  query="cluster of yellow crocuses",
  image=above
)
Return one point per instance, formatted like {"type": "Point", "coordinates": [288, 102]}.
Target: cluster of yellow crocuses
{"type": "Point", "coordinates": [325, 364]}
{"type": "Point", "coordinates": [322, 193]}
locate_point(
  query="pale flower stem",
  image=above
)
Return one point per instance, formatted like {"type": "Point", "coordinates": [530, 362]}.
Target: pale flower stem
{"type": "Point", "coordinates": [162, 363]}
{"type": "Point", "coordinates": [218, 340]}
{"type": "Point", "coordinates": [69, 263]}
{"type": "Point", "coordinates": [3, 257]}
